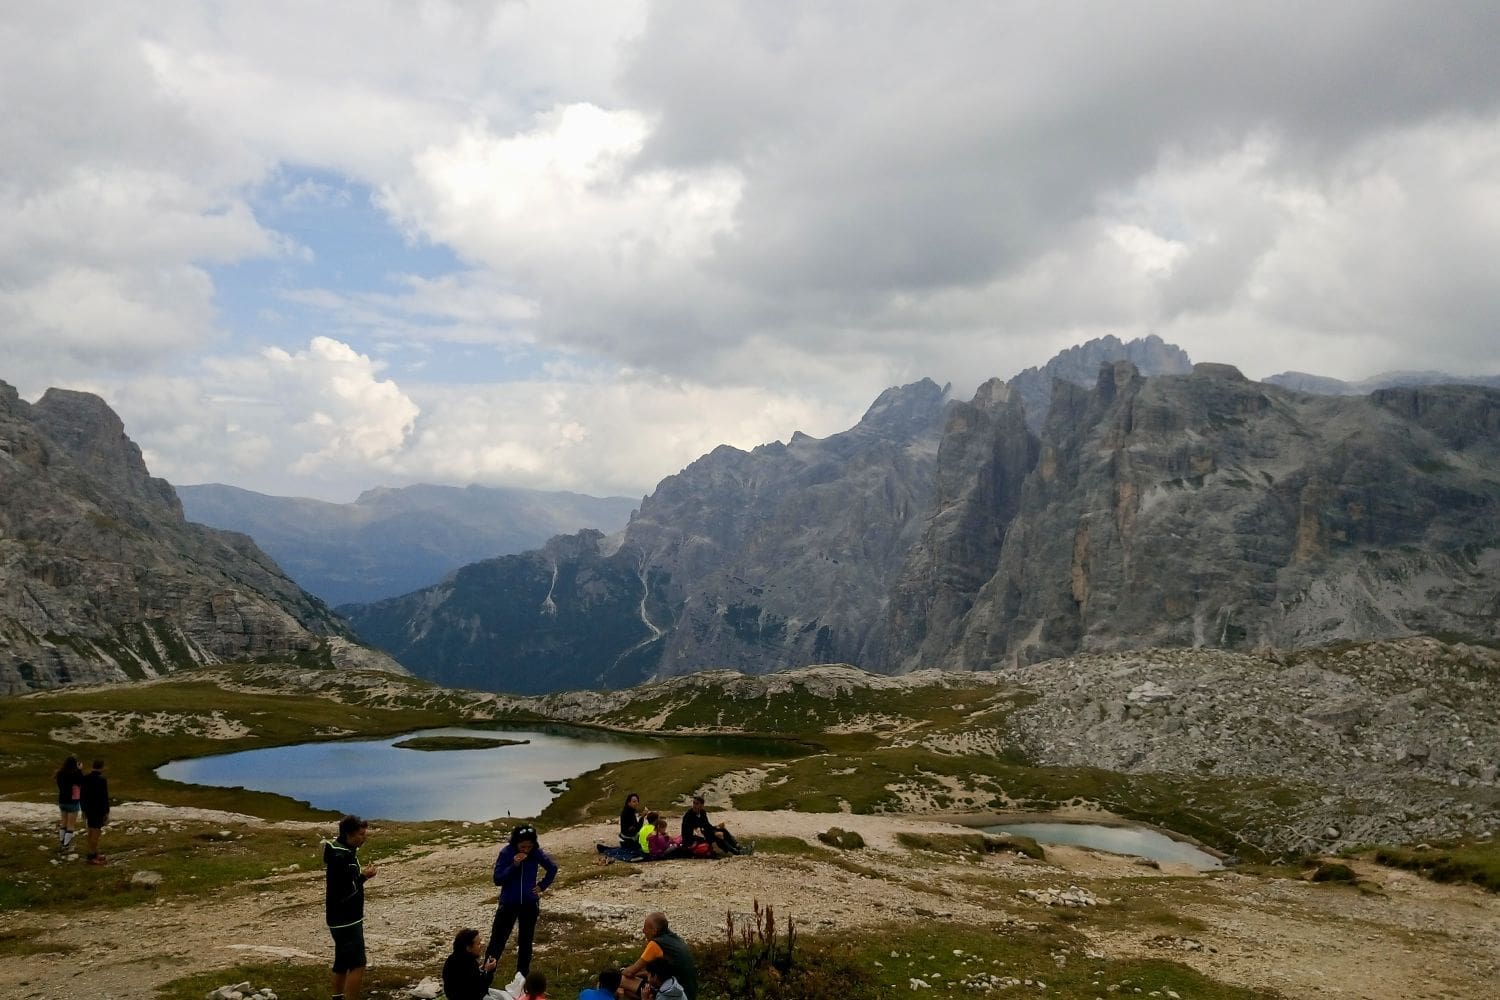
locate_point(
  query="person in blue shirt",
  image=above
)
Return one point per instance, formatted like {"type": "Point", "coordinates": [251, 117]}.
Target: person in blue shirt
{"type": "Point", "coordinates": [516, 871]}
{"type": "Point", "coordinates": [609, 982]}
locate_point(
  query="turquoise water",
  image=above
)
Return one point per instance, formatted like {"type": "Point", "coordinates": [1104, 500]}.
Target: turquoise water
{"type": "Point", "coordinates": [376, 780]}
{"type": "Point", "coordinates": [1130, 840]}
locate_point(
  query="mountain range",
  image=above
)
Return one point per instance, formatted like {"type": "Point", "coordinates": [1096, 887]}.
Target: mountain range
{"type": "Point", "coordinates": [393, 541]}
{"type": "Point", "coordinates": [1170, 505]}
{"type": "Point", "coordinates": [1155, 503]}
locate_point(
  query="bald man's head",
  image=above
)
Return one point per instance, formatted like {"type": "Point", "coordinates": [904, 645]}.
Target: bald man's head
{"type": "Point", "coordinates": [655, 923]}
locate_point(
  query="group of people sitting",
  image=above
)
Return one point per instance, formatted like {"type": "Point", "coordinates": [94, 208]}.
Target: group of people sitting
{"type": "Point", "coordinates": [645, 834]}
{"type": "Point", "coordinates": [665, 971]}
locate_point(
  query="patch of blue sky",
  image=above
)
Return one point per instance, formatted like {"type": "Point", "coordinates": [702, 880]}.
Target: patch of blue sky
{"type": "Point", "coordinates": [348, 273]}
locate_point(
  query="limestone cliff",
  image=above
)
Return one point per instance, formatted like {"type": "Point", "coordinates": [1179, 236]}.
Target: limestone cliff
{"type": "Point", "coordinates": [100, 576]}
{"type": "Point", "coordinates": [1208, 510]}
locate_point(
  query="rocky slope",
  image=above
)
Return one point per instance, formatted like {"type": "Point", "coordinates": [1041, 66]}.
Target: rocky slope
{"type": "Point", "coordinates": [393, 541]}
{"type": "Point", "coordinates": [759, 560]}
{"type": "Point", "coordinates": [101, 578]}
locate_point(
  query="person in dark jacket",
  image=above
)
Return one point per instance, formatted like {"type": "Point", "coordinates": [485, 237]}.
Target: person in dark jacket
{"type": "Point", "coordinates": [69, 801]}
{"type": "Point", "coordinates": [697, 828]}
{"type": "Point", "coordinates": [94, 798]}
{"type": "Point", "coordinates": [516, 871]}
{"type": "Point", "coordinates": [468, 972]}
{"type": "Point", "coordinates": [630, 821]}
{"type": "Point", "coordinates": [344, 904]}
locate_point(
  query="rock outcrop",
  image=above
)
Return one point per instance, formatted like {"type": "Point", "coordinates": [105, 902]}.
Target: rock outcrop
{"type": "Point", "coordinates": [1208, 510]}
{"type": "Point", "coordinates": [102, 579]}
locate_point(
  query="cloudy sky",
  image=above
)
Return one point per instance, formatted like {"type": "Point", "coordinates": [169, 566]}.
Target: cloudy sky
{"type": "Point", "coordinates": [311, 248]}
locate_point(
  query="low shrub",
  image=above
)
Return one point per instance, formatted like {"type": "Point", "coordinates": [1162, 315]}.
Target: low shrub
{"type": "Point", "coordinates": [1333, 871]}
{"type": "Point", "coordinates": [844, 840]}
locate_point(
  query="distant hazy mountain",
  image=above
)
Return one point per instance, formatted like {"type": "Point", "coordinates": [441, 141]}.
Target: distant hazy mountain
{"type": "Point", "coordinates": [393, 541]}
{"type": "Point", "coordinates": [1323, 385]}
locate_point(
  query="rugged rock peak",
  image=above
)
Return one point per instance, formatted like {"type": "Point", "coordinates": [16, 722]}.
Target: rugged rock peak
{"type": "Point", "coordinates": [1080, 365]}
{"type": "Point", "coordinates": [903, 409]}
{"type": "Point", "coordinates": [102, 579]}
{"type": "Point", "coordinates": [94, 436]}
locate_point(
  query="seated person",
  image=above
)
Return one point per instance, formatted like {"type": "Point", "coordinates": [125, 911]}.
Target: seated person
{"type": "Point", "coordinates": [659, 843]}
{"type": "Point", "coordinates": [630, 820]}
{"type": "Point", "coordinates": [660, 983]}
{"type": "Point", "coordinates": [698, 829]}
{"type": "Point", "coordinates": [534, 988]}
{"type": "Point", "coordinates": [609, 982]}
{"type": "Point", "coordinates": [661, 942]}
{"type": "Point", "coordinates": [467, 973]}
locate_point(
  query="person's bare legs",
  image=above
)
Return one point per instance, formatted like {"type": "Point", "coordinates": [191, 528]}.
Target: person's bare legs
{"type": "Point", "coordinates": [346, 984]}
{"type": "Point", "coordinates": [94, 832]}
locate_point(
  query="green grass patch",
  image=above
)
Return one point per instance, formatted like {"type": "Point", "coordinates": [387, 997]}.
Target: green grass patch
{"type": "Point", "coordinates": [962, 961]}
{"type": "Point", "coordinates": [456, 743]}
{"type": "Point", "coordinates": [17, 941]}
{"type": "Point", "coordinates": [1475, 862]}
{"type": "Point", "coordinates": [971, 843]}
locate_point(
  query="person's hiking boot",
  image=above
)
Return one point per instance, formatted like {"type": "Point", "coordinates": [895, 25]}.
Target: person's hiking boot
{"type": "Point", "coordinates": [98, 859]}
{"type": "Point", "coordinates": [748, 849]}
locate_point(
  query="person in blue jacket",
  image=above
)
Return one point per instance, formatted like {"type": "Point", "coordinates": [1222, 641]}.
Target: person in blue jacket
{"type": "Point", "coordinates": [516, 871]}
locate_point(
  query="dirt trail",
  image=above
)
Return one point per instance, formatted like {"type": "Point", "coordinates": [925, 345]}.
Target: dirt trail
{"type": "Point", "coordinates": [1409, 939]}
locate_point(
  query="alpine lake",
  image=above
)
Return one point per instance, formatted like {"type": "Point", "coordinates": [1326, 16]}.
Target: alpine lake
{"type": "Point", "coordinates": [476, 775]}
{"type": "Point", "coordinates": [453, 773]}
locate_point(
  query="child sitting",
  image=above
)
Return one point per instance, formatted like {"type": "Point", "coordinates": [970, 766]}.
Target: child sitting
{"type": "Point", "coordinates": [609, 984]}
{"type": "Point", "coordinates": [535, 987]}
{"type": "Point", "coordinates": [661, 844]}
{"type": "Point", "coordinates": [660, 983]}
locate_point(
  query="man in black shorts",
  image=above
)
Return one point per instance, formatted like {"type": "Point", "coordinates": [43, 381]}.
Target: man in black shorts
{"type": "Point", "coordinates": [345, 905]}
{"type": "Point", "coordinates": [94, 796]}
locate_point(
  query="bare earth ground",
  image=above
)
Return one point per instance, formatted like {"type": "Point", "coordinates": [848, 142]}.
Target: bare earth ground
{"type": "Point", "coordinates": [1409, 939]}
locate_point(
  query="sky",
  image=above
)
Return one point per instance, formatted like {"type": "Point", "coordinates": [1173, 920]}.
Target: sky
{"type": "Point", "coordinates": [310, 248]}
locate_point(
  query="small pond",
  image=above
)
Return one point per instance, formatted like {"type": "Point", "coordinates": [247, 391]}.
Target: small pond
{"type": "Point", "coordinates": [1131, 840]}
{"type": "Point", "coordinates": [378, 780]}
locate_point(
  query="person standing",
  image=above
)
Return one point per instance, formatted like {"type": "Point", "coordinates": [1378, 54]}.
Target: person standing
{"type": "Point", "coordinates": [467, 974]}
{"type": "Point", "coordinates": [516, 870]}
{"type": "Point", "coordinates": [69, 801]}
{"type": "Point", "coordinates": [94, 798]}
{"type": "Point", "coordinates": [345, 905]}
